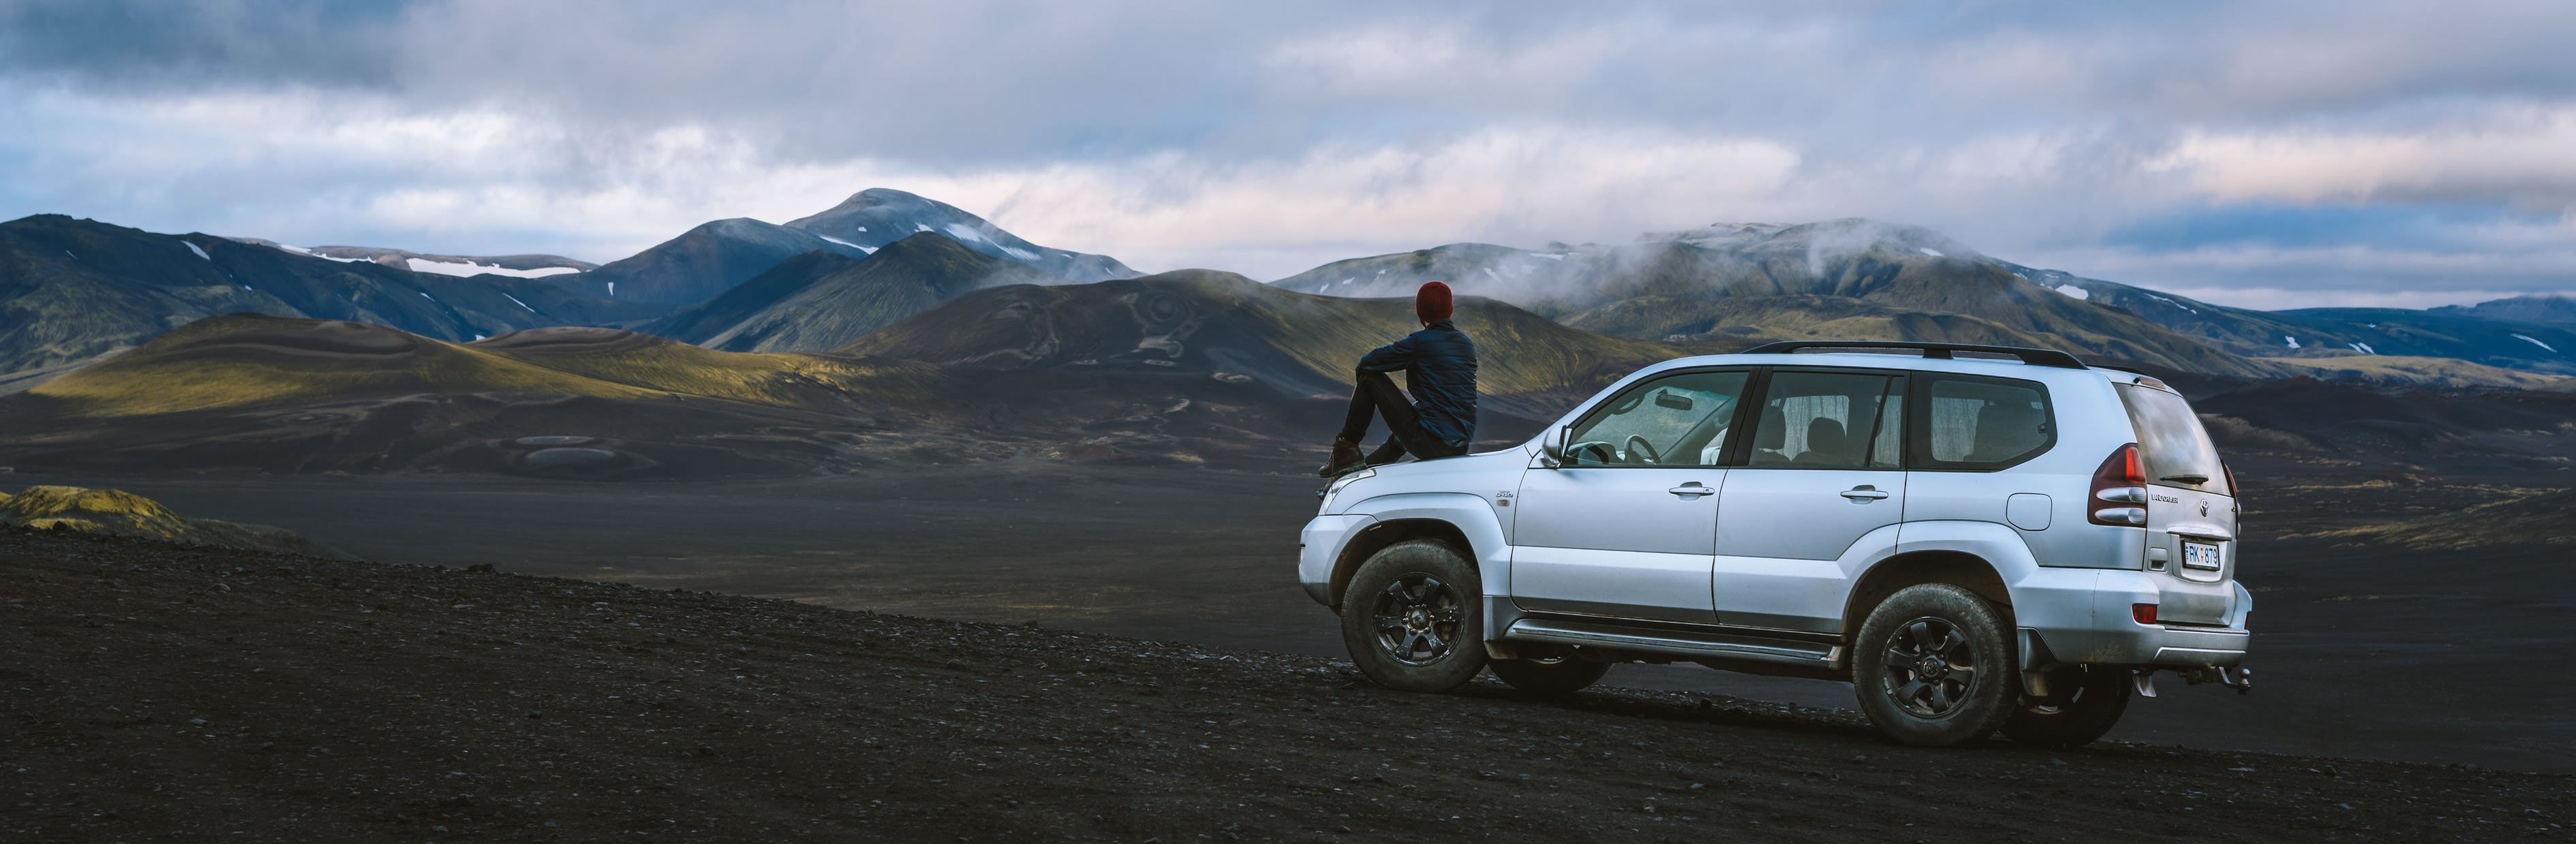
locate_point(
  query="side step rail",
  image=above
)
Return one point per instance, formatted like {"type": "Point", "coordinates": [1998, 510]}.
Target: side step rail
{"type": "Point", "coordinates": [1698, 644]}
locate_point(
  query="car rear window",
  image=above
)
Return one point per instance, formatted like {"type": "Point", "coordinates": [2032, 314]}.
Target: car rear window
{"type": "Point", "coordinates": [2173, 447]}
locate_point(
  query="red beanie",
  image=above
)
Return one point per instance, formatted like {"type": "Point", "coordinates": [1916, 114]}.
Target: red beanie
{"type": "Point", "coordinates": [1431, 303]}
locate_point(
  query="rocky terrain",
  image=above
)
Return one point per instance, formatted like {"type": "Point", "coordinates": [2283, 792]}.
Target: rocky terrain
{"type": "Point", "coordinates": [157, 691]}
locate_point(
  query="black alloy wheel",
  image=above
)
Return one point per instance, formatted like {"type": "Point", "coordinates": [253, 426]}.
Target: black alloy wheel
{"type": "Point", "coordinates": [1417, 619]}
{"type": "Point", "coordinates": [1928, 668]}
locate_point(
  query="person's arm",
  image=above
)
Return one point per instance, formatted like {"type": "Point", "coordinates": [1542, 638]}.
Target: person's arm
{"type": "Point", "coordinates": [1391, 357]}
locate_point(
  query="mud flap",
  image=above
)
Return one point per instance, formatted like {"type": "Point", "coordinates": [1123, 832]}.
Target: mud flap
{"type": "Point", "coordinates": [2034, 656]}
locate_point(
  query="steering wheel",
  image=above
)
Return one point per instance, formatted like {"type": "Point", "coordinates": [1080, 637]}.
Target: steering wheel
{"type": "Point", "coordinates": [1599, 450]}
{"type": "Point", "coordinates": [1640, 452]}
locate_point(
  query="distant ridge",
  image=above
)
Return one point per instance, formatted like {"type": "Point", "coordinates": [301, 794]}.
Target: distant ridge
{"type": "Point", "coordinates": [823, 300]}
{"type": "Point", "coordinates": [879, 216]}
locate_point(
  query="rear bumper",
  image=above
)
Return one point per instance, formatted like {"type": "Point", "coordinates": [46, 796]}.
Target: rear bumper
{"type": "Point", "coordinates": [1319, 547]}
{"type": "Point", "coordinates": [2070, 616]}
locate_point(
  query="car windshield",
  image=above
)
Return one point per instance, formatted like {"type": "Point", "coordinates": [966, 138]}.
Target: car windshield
{"type": "Point", "coordinates": [2173, 447]}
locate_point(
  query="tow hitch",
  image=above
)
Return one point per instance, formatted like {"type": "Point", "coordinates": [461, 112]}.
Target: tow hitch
{"type": "Point", "coordinates": [2238, 678]}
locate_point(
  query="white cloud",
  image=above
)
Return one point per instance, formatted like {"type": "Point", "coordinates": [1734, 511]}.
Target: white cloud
{"type": "Point", "coordinates": [2525, 156]}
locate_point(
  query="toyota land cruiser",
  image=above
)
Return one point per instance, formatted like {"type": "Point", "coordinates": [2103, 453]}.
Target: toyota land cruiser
{"type": "Point", "coordinates": [1978, 538]}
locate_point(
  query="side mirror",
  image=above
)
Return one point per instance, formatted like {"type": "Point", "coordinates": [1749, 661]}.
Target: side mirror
{"type": "Point", "coordinates": [1552, 447]}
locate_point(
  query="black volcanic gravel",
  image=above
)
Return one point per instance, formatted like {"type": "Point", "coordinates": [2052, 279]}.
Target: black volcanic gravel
{"type": "Point", "coordinates": [157, 693]}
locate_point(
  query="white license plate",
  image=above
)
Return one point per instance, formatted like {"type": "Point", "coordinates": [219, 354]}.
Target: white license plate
{"type": "Point", "coordinates": [2200, 555]}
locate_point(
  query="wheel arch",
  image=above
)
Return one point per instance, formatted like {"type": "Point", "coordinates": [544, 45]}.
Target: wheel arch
{"type": "Point", "coordinates": [1464, 522]}
{"type": "Point", "coordinates": [1914, 568]}
{"type": "Point", "coordinates": [1377, 536]}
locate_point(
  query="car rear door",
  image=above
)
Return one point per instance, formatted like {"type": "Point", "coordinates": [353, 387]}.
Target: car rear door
{"type": "Point", "coordinates": [1624, 526]}
{"type": "Point", "coordinates": [2191, 509]}
{"type": "Point", "coordinates": [1823, 470]}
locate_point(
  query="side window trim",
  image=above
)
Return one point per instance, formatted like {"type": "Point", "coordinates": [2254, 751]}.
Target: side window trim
{"type": "Point", "coordinates": [1918, 423]}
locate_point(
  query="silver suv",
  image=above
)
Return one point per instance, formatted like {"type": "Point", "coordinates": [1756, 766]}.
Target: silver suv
{"type": "Point", "coordinates": [1978, 538]}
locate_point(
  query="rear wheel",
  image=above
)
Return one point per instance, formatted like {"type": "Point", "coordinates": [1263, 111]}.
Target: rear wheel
{"type": "Point", "coordinates": [1411, 618]}
{"type": "Point", "coordinates": [2082, 703]}
{"type": "Point", "coordinates": [1550, 675]}
{"type": "Point", "coordinates": [1932, 667]}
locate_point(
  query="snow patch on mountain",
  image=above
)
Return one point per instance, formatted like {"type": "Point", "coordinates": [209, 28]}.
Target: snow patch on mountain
{"type": "Point", "coordinates": [2074, 291]}
{"type": "Point", "coordinates": [469, 268]}
{"type": "Point", "coordinates": [2528, 339]}
{"type": "Point", "coordinates": [201, 253]}
{"type": "Point", "coordinates": [2293, 341]}
{"type": "Point", "coordinates": [871, 250]}
{"type": "Point", "coordinates": [515, 300]}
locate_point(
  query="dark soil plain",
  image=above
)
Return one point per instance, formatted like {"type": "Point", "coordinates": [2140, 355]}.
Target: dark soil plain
{"type": "Point", "coordinates": [2365, 652]}
{"type": "Point", "coordinates": [164, 693]}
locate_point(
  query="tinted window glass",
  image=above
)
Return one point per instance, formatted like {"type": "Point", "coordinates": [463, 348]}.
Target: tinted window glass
{"type": "Point", "coordinates": [1830, 420]}
{"type": "Point", "coordinates": [1677, 420]}
{"type": "Point", "coordinates": [2172, 446]}
{"type": "Point", "coordinates": [1981, 423]}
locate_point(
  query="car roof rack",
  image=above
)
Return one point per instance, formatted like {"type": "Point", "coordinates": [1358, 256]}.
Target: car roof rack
{"type": "Point", "coordinates": [1933, 351]}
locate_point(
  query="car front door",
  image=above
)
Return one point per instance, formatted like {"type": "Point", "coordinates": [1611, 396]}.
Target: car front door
{"type": "Point", "coordinates": [1824, 471]}
{"type": "Point", "coordinates": [1625, 524]}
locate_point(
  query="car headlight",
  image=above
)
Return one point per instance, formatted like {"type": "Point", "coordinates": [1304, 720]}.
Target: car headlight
{"type": "Point", "coordinates": [1334, 489]}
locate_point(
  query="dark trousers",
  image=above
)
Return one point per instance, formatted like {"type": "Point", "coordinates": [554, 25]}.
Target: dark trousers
{"type": "Point", "coordinates": [1378, 396]}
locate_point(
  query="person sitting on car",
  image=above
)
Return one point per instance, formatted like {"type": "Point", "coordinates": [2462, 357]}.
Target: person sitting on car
{"type": "Point", "coordinates": [1439, 365]}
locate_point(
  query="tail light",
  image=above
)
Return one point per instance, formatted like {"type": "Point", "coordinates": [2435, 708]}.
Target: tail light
{"type": "Point", "coordinates": [2235, 494]}
{"type": "Point", "coordinates": [2144, 613]}
{"type": "Point", "coordinates": [2119, 490]}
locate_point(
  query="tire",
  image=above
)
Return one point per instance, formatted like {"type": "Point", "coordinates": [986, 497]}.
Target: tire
{"type": "Point", "coordinates": [1552, 677]}
{"type": "Point", "coordinates": [2083, 702]}
{"type": "Point", "coordinates": [1933, 668]}
{"type": "Point", "coordinates": [1413, 618]}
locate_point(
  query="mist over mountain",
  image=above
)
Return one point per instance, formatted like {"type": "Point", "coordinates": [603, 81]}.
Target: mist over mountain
{"type": "Point", "coordinates": [879, 216]}
{"type": "Point", "coordinates": [1751, 280]}
{"type": "Point", "coordinates": [819, 301]}
{"type": "Point", "coordinates": [73, 290]}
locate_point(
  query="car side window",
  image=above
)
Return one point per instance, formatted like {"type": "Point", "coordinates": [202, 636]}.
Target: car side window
{"type": "Point", "coordinates": [1830, 420]}
{"type": "Point", "coordinates": [1675, 420]}
{"type": "Point", "coordinates": [1980, 424]}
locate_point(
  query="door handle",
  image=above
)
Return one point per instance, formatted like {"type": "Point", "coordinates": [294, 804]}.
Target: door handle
{"type": "Point", "coordinates": [1690, 489]}
{"type": "Point", "coordinates": [1864, 493]}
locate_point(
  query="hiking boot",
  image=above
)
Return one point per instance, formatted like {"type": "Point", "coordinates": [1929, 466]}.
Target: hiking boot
{"type": "Point", "coordinates": [1346, 459]}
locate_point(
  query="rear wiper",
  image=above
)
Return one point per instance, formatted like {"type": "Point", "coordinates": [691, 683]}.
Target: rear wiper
{"type": "Point", "coordinates": [2194, 480]}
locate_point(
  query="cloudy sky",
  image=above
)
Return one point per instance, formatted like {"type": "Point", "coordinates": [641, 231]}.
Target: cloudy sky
{"type": "Point", "coordinates": [2265, 154]}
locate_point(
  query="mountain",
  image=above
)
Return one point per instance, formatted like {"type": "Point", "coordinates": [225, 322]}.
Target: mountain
{"type": "Point", "coordinates": [879, 216]}
{"type": "Point", "coordinates": [1204, 324]}
{"type": "Point", "coordinates": [703, 262]}
{"type": "Point", "coordinates": [819, 301]}
{"type": "Point", "coordinates": [73, 290]}
{"type": "Point", "coordinates": [515, 266]}
{"type": "Point", "coordinates": [2483, 334]}
{"type": "Point", "coordinates": [2550, 308]}
{"type": "Point", "coordinates": [1849, 279]}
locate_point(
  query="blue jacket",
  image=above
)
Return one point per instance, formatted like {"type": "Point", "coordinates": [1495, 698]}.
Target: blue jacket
{"type": "Point", "coordinates": [1439, 366]}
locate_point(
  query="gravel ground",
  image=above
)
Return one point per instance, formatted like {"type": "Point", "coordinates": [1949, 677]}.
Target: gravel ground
{"type": "Point", "coordinates": [161, 693]}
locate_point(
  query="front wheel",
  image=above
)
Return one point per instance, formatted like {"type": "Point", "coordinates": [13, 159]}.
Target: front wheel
{"type": "Point", "coordinates": [1932, 667]}
{"type": "Point", "coordinates": [2082, 703]}
{"type": "Point", "coordinates": [1412, 619]}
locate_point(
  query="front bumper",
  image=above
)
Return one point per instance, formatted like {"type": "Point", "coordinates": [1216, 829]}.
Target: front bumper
{"type": "Point", "coordinates": [2080, 616]}
{"type": "Point", "coordinates": [1319, 547]}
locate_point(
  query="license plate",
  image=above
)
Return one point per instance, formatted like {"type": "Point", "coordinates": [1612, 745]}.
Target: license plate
{"type": "Point", "coordinates": [2200, 555]}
